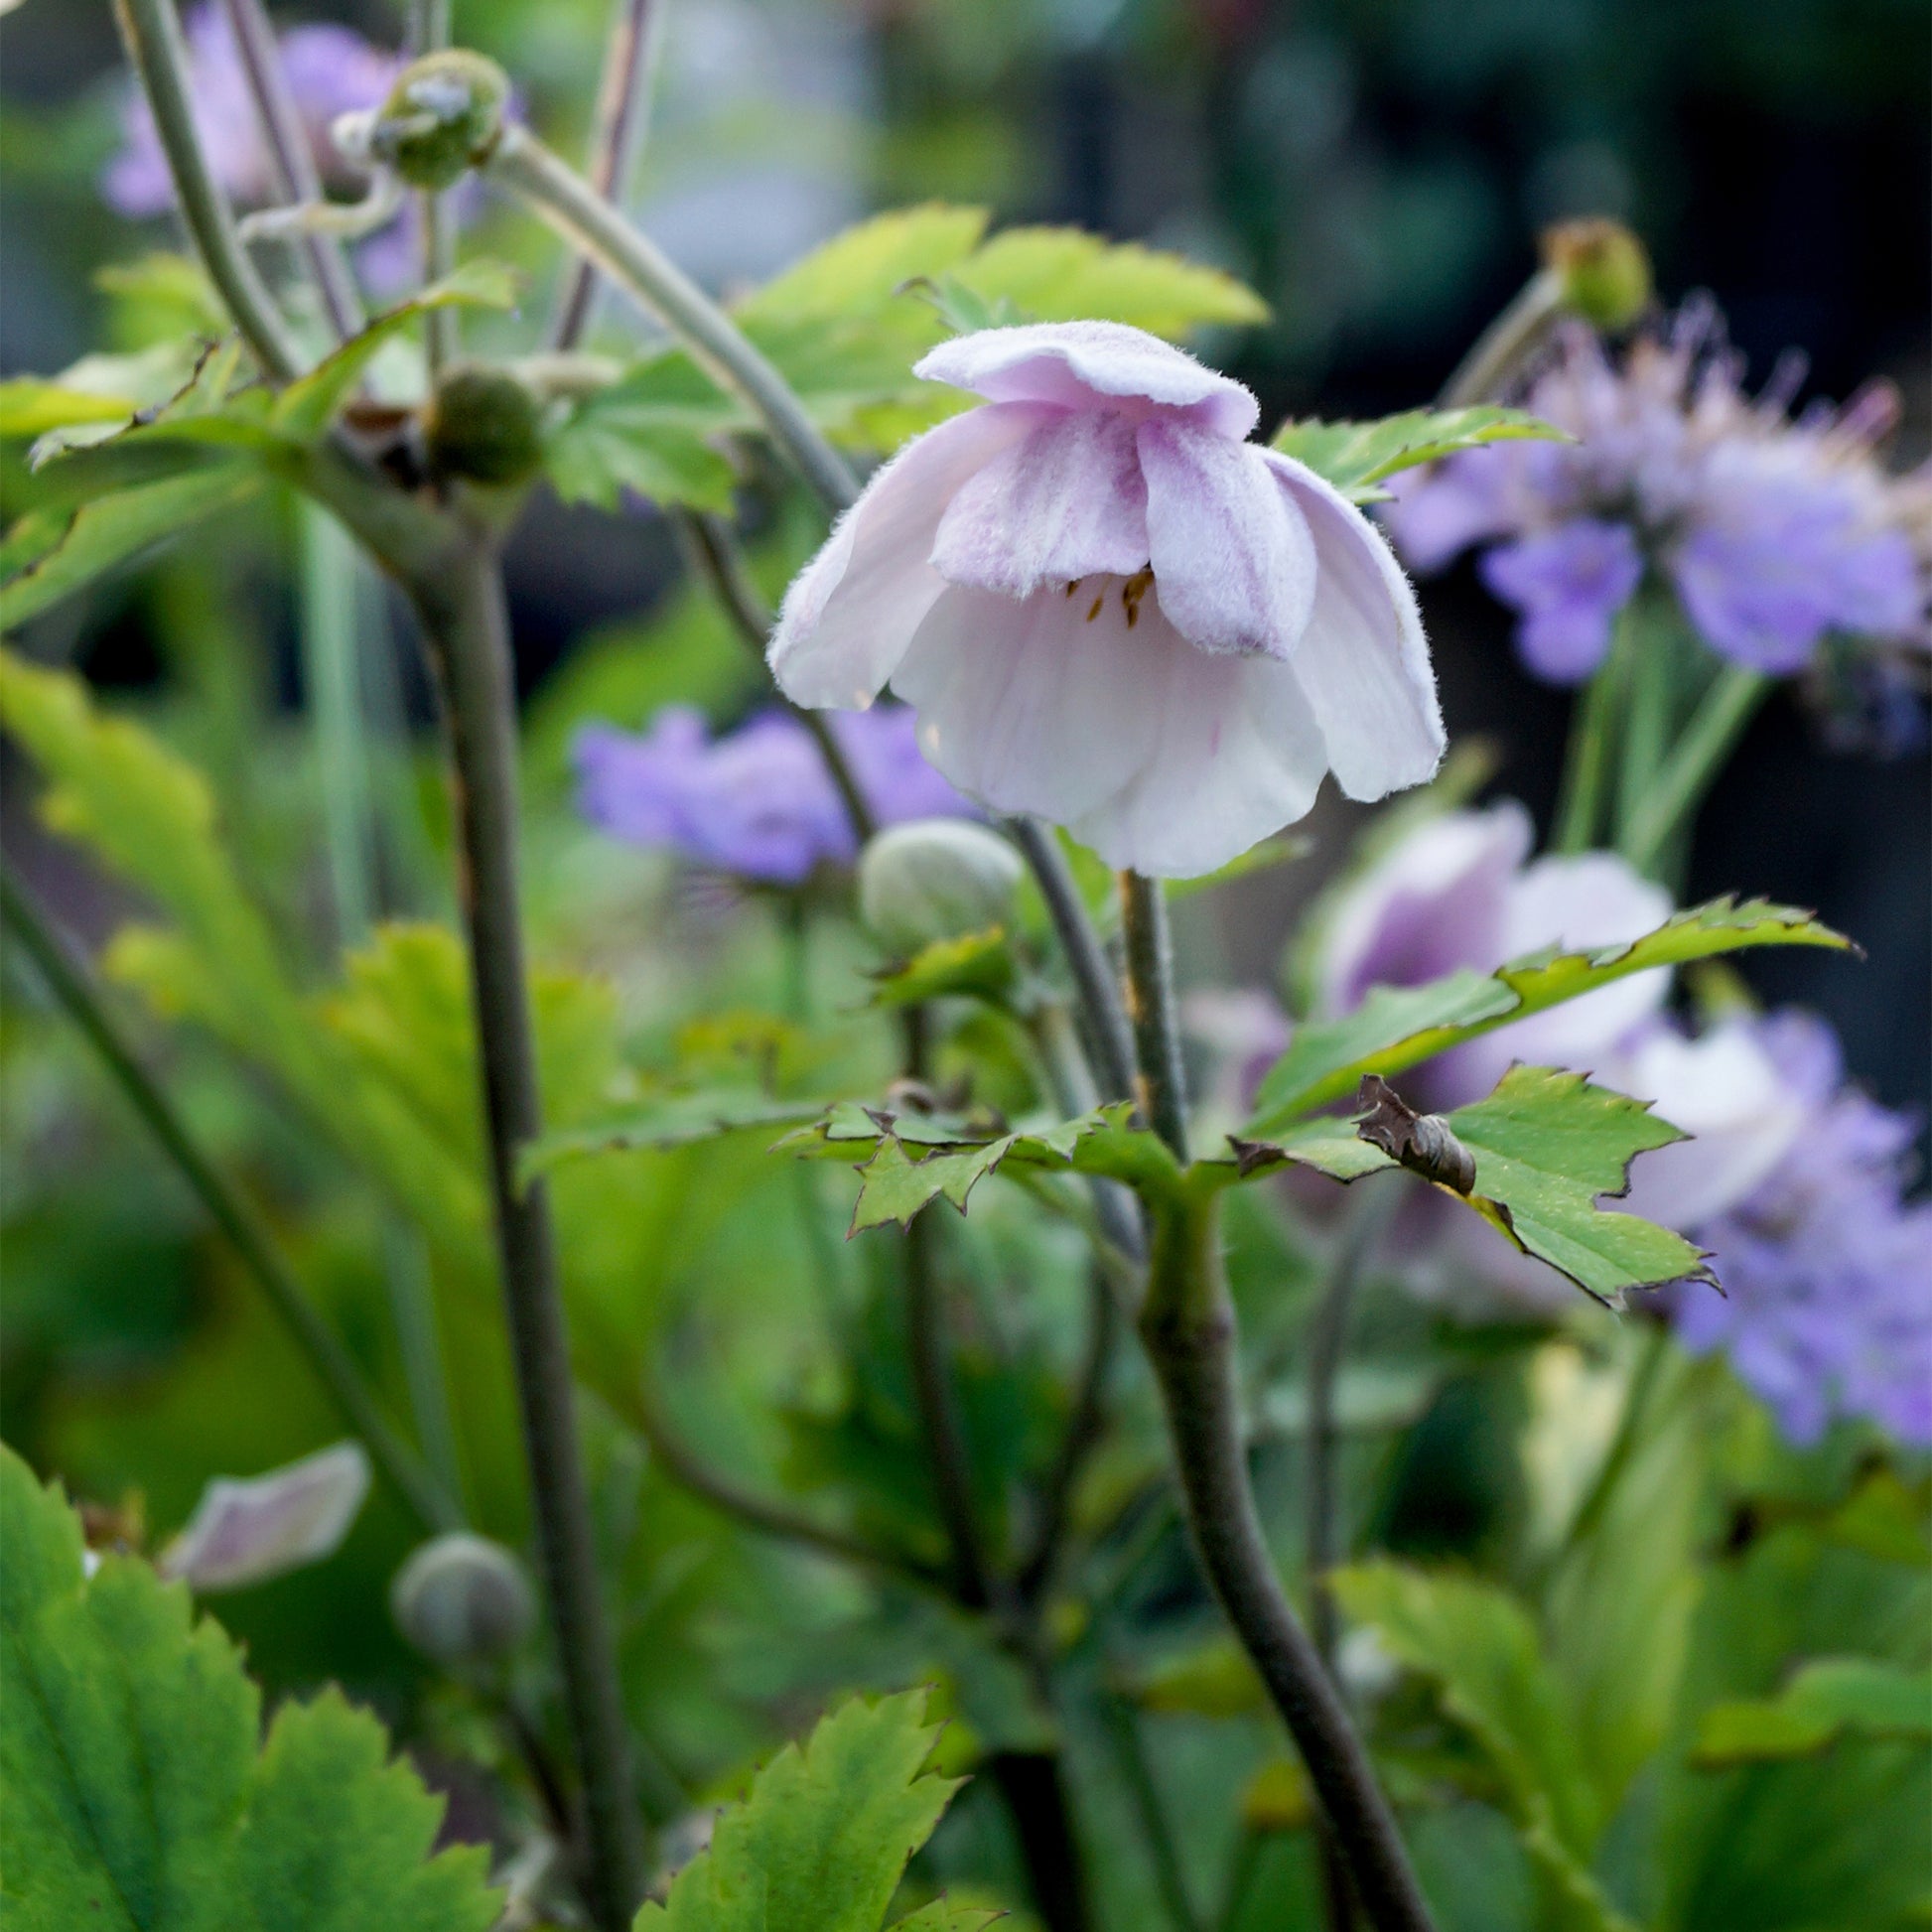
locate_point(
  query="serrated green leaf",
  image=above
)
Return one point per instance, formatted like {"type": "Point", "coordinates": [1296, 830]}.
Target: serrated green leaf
{"type": "Point", "coordinates": [669, 1119]}
{"type": "Point", "coordinates": [1400, 1026]}
{"type": "Point", "coordinates": [1480, 1646]}
{"type": "Point", "coordinates": [863, 266]}
{"type": "Point", "coordinates": [821, 1839]}
{"type": "Point", "coordinates": [1069, 275]}
{"type": "Point", "coordinates": [977, 965]}
{"type": "Point", "coordinates": [1355, 457]}
{"type": "Point", "coordinates": [942, 1915]}
{"type": "Point", "coordinates": [1825, 1700]}
{"type": "Point", "coordinates": [136, 1801]}
{"type": "Point", "coordinates": [51, 554]}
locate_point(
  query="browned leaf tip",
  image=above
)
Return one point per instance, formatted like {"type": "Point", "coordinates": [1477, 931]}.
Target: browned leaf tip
{"type": "Point", "coordinates": [1250, 1156]}
{"type": "Point", "coordinates": [1423, 1143]}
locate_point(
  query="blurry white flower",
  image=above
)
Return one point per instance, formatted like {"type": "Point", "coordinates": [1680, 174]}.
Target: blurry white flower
{"type": "Point", "coordinates": [245, 1532]}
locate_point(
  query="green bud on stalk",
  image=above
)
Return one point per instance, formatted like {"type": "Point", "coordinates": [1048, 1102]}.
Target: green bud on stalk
{"type": "Point", "coordinates": [1603, 270]}
{"type": "Point", "coordinates": [482, 424]}
{"type": "Point", "coordinates": [463, 1599]}
{"type": "Point", "coordinates": [442, 118]}
{"type": "Point", "coordinates": [935, 879]}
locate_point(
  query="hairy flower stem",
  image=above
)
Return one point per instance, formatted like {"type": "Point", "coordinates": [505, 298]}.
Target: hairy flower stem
{"type": "Point", "coordinates": [520, 163]}
{"type": "Point", "coordinates": [294, 165]}
{"type": "Point", "coordinates": [1161, 1088]}
{"type": "Point", "coordinates": [621, 122]}
{"type": "Point", "coordinates": [466, 626]}
{"type": "Point", "coordinates": [72, 985]}
{"type": "Point", "coordinates": [1188, 1325]}
{"type": "Point", "coordinates": [1501, 352]}
{"type": "Point", "coordinates": [151, 31]}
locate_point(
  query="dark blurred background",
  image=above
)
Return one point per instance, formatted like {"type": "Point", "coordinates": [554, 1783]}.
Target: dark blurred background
{"type": "Point", "coordinates": [1378, 169]}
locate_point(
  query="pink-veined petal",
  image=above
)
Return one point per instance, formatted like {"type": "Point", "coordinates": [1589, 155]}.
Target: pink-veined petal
{"type": "Point", "coordinates": [1083, 365]}
{"type": "Point", "coordinates": [1234, 563]}
{"type": "Point", "coordinates": [1362, 660]}
{"type": "Point", "coordinates": [851, 612]}
{"type": "Point", "coordinates": [1040, 705]}
{"type": "Point", "coordinates": [1237, 754]}
{"type": "Point", "coordinates": [1065, 501]}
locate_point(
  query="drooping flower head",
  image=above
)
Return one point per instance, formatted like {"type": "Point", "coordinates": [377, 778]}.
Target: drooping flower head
{"type": "Point", "coordinates": [1774, 534]}
{"type": "Point", "coordinates": [758, 802]}
{"type": "Point", "coordinates": [1110, 610]}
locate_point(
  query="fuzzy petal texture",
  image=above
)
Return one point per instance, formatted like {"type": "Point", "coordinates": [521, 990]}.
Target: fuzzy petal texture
{"type": "Point", "coordinates": [1234, 563]}
{"type": "Point", "coordinates": [1065, 501]}
{"type": "Point", "coordinates": [1090, 365]}
{"type": "Point", "coordinates": [1362, 660]}
{"type": "Point", "coordinates": [853, 609]}
{"type": "Point", "coordinates": [1155, 755]}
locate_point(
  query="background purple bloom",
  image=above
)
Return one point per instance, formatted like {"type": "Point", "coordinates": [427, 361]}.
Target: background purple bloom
{"type": "Point", "coordinates": [1826, 1268]}
{"type": "Point", "coordinates": [1775, 533]}
{"type": "Point", "coordinates": [757, 802]}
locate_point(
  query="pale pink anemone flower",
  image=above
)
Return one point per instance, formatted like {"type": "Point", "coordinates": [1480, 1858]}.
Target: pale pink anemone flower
{"type": "Point", "coordinates": [1111, 611]}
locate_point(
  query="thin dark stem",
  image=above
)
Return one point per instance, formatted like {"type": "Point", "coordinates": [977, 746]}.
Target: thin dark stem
{"type": "Point", "coordinates": [152, 32]}
{"type": "Point", "coordinates": [1161, 1086]}
{"type": "Point", "coordinates": [1103, 1020]}
{"type": "Point", "coordinates": [461, 608]}
{"type": "Point", "coordinates": [295, 177]}
{"type": "Point", "coordinates": [689, 1470]}
{"type": "Point", "coordinates": [713, 552]}
{"type": "Point", "coordinates": [72, 983]}
{"type": "Point", "coordinates": [1130, 1754]}
{"type": "Point", "coordinates": [618, 133]}
{"type": "Point", "coordinates": [1035, 1791]}
{"type": "Point", "coordinates": [1188, 1324]}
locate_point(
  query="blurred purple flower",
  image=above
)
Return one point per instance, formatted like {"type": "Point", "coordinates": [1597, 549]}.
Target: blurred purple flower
{"type": "Point", "coordinates": [758, 802]}
{"type": "Point", "coordinates": [330, 71]}
{"type": "Point", "coordinates": [1775, 533]}
{"type": "Point", "coordinates": [1826, 1268]}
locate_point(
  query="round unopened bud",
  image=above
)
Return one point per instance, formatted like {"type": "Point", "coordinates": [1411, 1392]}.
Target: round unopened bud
{"type": "Point", "coordinates": [463, 1599]}
{"type": "Point", "coordinates": [935, 879]}
{"type": "Point", "coordinates": [482, 423]}
{"type": "Point", "coordinates": [442, 119]}
{"type": "Point", "coordinates": [1603, 270]}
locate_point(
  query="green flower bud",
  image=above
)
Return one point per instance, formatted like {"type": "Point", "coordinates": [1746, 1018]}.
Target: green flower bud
{"type": "Point", "coordinates": [484, 424]}
{"type": "Point", "coordinates": [935, 879]}
{"type": "Point", "coordinates": [463, 1599]}
{"type": "Point", "coordinates": [442, 119]}
{"type": "Point", "coordinates": [1603, 270]}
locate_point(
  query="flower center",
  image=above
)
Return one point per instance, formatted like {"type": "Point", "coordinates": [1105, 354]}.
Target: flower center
{"type": "Point", "coordinates": [1131, 591]}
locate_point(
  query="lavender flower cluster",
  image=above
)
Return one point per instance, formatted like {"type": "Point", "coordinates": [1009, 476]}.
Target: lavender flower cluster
{"type": "Point", "coordinates": [1775, 533]}
{"type": "Point", "coordinates": [756, 804]}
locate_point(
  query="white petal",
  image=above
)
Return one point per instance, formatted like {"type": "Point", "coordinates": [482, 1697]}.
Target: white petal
{"type": "Point", "coordinates": [852, 610]}
{"type": "Point", "coordinates": [1363, 660]}
{"type": "Point", "coordinates": [1237, 754]}
{"type": "Point", "coordinates": [247, 1532]}
{"type": "Point", "coordinates": [1064, 503]}
{"type": "Point", "coordinates": [1044, 705]}
{"type": "Point", "coordinates": [1234, 563]}
{"type": "Point", "coordinates": [1078, 363]}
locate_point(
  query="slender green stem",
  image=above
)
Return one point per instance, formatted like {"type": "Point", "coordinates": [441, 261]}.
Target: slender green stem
{"type": "Point", "coordinates": [443, 325]}
{"type": "Point", "coordinates": [1694, 760]}
{"type": "Point", "coordinates": [1587, 767]}
{"type": "Point", "coordinates": [1502, 350]}
{"type": "Point", "coordinates": [1652, 1351]}
{"type": "Point", "coordinates": [461, 608]}
{"type": "Point", "coordinates": [72, 985]}
{"type": "Point", "coordinates": [1649, 643]}
{"type": "Point", "coordinates": [618, 133]}
{"type": "Point", "coordinates": [429, 25]}
{"type": "Point", "coordinates": [152, 34]}
{"type": "Point", "coordinates": [331, 671]}
{"type": "Point", "coordinates": [1103, 1020]}
{"type": "Point", "coordinates": [559, 195]}
{"type": "Point", "coordinates": [412, 1310]}
{"type": "Point", "coordinates": [1188, 1325]}
{"type": "Point", "coordinates": [297, 180]}
{"type": "Point", "coordinates": [1156, 1834]}
{"type": "Point", "coordinates": [713, 552]}
{"type": "Point", "coordinates": [1163, 1088]}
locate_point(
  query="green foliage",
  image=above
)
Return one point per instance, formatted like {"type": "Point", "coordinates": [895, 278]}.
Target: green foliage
{"type": "Point", "coordinates": [1825, 1700]}
{"type": "Point", "coordinates": [1356, 456]}
{"type": "Point", "coordinates": [820, 1842]}
{"type": "Point", "coordinates": [137, 1797]}
{"type": "Point", "coordinates": [1400, 1026]}
{"type": "Point", "coordinates": [668, 1120]}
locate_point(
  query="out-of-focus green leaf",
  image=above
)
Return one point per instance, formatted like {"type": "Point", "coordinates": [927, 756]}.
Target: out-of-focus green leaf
{"type": "Point", "coordinates": [1069, 275]}
{"type": "Point", "coordinates": [137, 1801]}
{"type": "Point", "coordinates": [1216, 1680]}
{"type": "Point", "coordinates": [1825, 1700]}
{"type": "Point", "coordinates": [863, 267]}
{"type": "Point", "coordinates": [976, 965]}
{"type": "Point", "coordinates": [1355, 457]}
{"type": "Point", "coordinates": [1397, 1028]}
{"type": "Point", "coordinates": [1477, 1644]}
{"type": "Point", "coordinates": [821, 1839]}
{"type": "Point", "coordinates": [50, 554]}
{"type": "Point", "coordinates": [669, 1119]}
